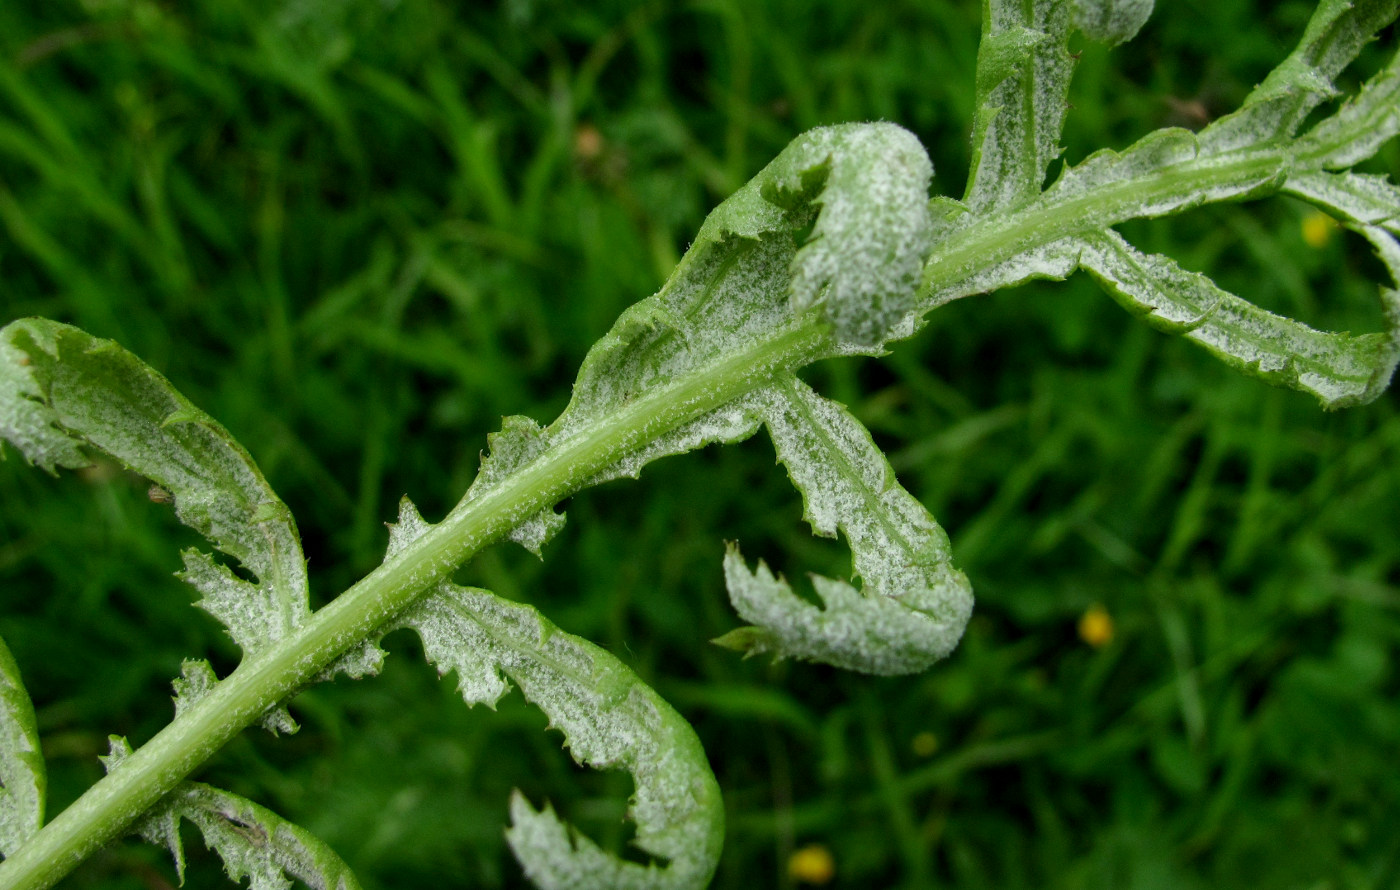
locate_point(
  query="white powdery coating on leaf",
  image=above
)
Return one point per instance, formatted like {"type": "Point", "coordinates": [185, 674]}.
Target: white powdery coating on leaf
{"type": "Point", "coordinates": [873, 232]}
{"type": "Point", "coordinates": [197, 679]}
{"type": "Point", "coordinates": [1364, 123]}
{"type": "Point", "coordinates": [743, 279]}
{"type": "Point", "coordinates": [461, 646]}
{"type": "Point", "coordinates": [744, 283]}
{"type": "Point", "coordinates": [217, 490]}
{"type": "Point", "coordinates": [914, 605]}
{"type": "Point", "coordinates": [256, 615]}
{"type": "Point", "coordinates": [1146, 167]}
{"type": "Point", "coordinates": [254, 843]}
{"type": "Point", "coordinates": [448, 643]}
{"type": "Point", "coordinates": [1335, 35]}
{"type": "Point", "coordinates": [871, 634]}
{"type": "Point", "coordinates": [724, 296]}
{"type": "Point", "coordinates": [520, 441]}
{"type": "Point", "coordinates": [25, 421]}
{"type": "Point", "coordinates": [98, 393]}
{"type": "Point", "coordinates": [538, 837]}
{"type": "Point", "coordinates": [409, 527]}
{"type": "Point", "coordinates": [1111, 21]}
{"type": "Point", "coordinates": [1256, 124]}
{"type": "Point", "coordinates": [727, 424]}
{"type": "Point", "coordinates": [1055, 261]}
{"type": "Point", "coordinates": [1023, 72]}
{"type": "Point", "coordinates": [1357, 197]}
{"type": "Point", "coordinates": [1339, 369]}
{"type": "Point", "coordinates": [610, 719]}
{"type": "Point", "coordinates": [1160, 149]}
{"type": "Point", "coordinates": [1167, 296]}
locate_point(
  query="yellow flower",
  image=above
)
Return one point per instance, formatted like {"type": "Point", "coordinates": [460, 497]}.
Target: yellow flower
{"type": "Point", "coordinates": [1096, 626]}
{"type": "Point", "coordinates": [1317, 229]}
{"type": "Point", "coordinates": [812, 865]}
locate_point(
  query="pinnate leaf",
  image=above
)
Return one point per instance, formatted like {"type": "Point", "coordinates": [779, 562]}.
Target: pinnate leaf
{"type": "Point", "coordinates": [862, 189]}
{"type": "Point", "coordinates": [1334, 36]}
{"type": "Point", "coordinates": [1023, 73]}
{"type": "Point", "coordinates": [1249, 154]}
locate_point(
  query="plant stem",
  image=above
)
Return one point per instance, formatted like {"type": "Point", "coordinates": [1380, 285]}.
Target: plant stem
{"type": "Point", "coordinates": [136, 784]}
{"type": "Point", "coordinates": [998, 238]}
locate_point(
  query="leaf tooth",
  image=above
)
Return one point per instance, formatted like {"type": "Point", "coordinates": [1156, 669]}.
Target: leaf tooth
{"type": "Point", "coordinates": [410, 527]}
{"type": "Point", "coordinates": [197, 679]}
{"type": "Point", "coordinates": [519, 441]}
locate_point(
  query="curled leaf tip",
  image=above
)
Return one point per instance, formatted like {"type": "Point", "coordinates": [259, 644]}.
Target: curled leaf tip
{"type": "Point", "coordinates": [610, 719]}
{"type": "Point", "coordinates": [873, 229]}
{"type": "Point", "coordinates": [856, 630]}
{"type": "Point", "coordinates": [913, 604]}
{"type": "Point", "coordinates": [1111, 21]}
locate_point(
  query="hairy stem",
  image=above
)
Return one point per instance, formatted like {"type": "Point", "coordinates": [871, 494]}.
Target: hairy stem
{"type": "Point", "coordinates": [998, 238]}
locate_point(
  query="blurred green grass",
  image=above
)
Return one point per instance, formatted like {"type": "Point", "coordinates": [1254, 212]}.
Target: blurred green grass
{"type": "Point", "coordinates": [360, 232]}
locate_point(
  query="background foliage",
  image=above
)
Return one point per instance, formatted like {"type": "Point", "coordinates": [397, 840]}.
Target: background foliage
{"type": "Point", "coordinates": [360, 232]}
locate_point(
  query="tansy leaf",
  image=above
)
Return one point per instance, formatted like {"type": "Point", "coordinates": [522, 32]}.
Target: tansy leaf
{"type": "Point", "coordinates": [64, 382]}
{"type": "Point", "coordinates": [1335, 35]}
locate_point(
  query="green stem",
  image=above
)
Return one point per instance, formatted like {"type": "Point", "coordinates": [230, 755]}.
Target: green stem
{"type": "Point", "coordinates": [111, 806]}
{"type": "Point", "coordinates": [995, 239]}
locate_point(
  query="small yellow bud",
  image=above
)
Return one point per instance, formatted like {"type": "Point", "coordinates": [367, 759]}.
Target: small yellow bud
{"type": "Point", "coordinates": [1317, 229]}
{"type": "Point", "coordinates": [812, 865]}
{"type": "Point", "coordinates": [924, 744]}
{"type": "Point", "coordinates": [1096, 626]}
